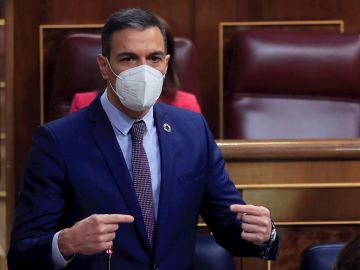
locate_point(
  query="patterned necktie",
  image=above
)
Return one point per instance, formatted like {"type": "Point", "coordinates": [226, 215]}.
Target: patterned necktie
{"type": "Point", "coordinates": [142, 178]}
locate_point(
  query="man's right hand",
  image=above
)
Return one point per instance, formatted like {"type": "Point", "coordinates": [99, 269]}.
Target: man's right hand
{"type": "Point", "coordinates": [91, 235]}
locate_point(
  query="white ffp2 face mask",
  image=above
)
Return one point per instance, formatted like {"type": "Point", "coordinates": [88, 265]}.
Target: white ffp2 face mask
{"type": "Point", "coordinates": [138, 88]}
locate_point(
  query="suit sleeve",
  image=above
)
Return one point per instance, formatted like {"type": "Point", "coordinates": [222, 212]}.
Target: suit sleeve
{"type": "Point", "coordinates": [220, 194]}
{"type": "Point", "coordinates": [40, 205]}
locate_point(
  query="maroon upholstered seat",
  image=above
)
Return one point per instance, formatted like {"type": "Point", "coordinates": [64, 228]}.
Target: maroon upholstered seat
{"type": "Point", "coordinates": [186, 65]}
{"type": "Point", "coordinates": [292, 85]}
{"type": "Point", "coordinates": [76, 70]}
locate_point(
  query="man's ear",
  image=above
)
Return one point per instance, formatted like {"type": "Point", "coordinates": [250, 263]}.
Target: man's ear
{"type": "Point", "coordinates": [103, 66]}
{"type": "Point", "coordinates": [167, 58]}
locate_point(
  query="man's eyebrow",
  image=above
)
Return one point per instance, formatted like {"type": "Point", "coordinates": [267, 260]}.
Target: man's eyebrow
{"type": "Point", "coordinates": [122, 54]}
{"type": "Point", "coordinates": [162, 53]}
{"type": "Point", "coordinates": [134, 55]}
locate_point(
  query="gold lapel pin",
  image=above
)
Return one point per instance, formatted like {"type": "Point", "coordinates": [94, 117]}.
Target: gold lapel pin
{"type": "Point", "coordinates": [167, 127]}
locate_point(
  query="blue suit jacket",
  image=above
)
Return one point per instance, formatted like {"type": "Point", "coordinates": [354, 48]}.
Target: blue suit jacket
{"type": "Point", "coordinates": [76, 169]}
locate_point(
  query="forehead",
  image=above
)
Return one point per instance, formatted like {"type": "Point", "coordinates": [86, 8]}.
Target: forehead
{"type": "Point", "coordinates": [137, 41]}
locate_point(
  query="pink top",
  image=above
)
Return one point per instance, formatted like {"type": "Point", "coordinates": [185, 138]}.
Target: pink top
{"type": "Point", "coordinates": [182, 99]}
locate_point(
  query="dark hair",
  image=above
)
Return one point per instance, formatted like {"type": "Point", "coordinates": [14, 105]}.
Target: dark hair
{"type": "Point", "coordinates": [135, 18]}
{"type": "Point", "coordinates": [349, 257]}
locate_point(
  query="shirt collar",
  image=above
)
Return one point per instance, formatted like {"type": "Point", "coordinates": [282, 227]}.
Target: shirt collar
{"type": "Point", "coordinates": [120, 120]}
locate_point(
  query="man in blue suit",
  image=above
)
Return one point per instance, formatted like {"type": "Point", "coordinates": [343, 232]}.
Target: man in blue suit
{"type": "Point", "coordinates": [81, 197]}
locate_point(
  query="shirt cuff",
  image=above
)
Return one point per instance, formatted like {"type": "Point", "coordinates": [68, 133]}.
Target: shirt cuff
{"type": "Point", "coordinates": [57, 258]}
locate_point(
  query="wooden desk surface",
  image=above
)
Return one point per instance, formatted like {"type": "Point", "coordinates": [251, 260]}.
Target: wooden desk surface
{"type": "Point", "coordinates": [312, 188]}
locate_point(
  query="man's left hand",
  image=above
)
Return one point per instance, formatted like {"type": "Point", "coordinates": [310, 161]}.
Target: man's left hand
{"type": "Point", "coordinates": [256, 222]}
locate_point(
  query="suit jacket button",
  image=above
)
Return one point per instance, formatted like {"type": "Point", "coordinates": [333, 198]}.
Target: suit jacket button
{"type": "Point", "coordinates": [155, 267]}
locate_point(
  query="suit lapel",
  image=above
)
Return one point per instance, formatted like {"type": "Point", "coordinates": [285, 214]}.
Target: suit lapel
{"type": "Point", "coordinates": [165, 130]}
{"type": "Point", "coordinates": [105, 139]}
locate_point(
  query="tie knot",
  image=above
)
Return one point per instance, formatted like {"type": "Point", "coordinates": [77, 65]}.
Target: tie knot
{"type": "Point", "coordinates": [138, 130]}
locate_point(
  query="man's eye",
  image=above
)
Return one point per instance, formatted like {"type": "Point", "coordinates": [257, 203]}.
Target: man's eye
{"type": "Point", "coordinates": [156, 58]}
{"type": "Point", "coordinates": [127, 59]}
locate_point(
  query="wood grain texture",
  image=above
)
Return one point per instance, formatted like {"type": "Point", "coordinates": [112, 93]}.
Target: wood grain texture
{"type": "Point", "coordinates": [294, 240]}
{"type": "Point", "coordinates": [290, 149]}
{"type": "Point", "coordinates": [298, 205]}
{"type": "Point", "coordinates": [310, 187]}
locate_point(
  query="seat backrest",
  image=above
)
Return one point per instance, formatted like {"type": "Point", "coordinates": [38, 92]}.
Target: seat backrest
{"type": "Point", "coordinates": [321, 257]}
{"type": "Point", "coordinates": [76, 70]}
{"type": "Point", "coordinates": [292, 85]}
{"type": "Point", "coordinates": [186, 65]}
{"type": "Point", "coordinates": [210, 256]}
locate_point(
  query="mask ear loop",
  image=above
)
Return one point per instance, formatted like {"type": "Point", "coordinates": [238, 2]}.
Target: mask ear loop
{"type": "Point", "coordinates": [112, 88]}
{"type": "Point", "coordinates": [107, 60]}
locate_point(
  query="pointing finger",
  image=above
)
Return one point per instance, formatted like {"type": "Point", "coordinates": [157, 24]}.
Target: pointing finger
{"type": "Point", "coordinates": [118, 218]}
{"type": "Point", "coordinates": [250, 210]}
{"type": "Point", "coordinates": [112, 219]}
